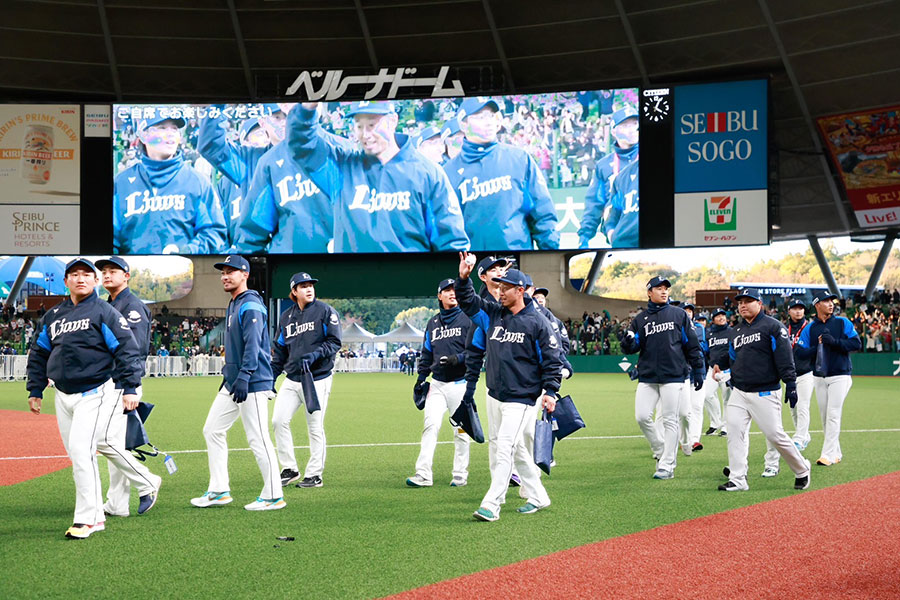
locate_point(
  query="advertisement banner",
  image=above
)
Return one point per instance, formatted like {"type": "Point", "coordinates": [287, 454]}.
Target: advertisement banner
{"type": "Point", "coordinates": [865, 150]}
{"type": "Point", "coordinates": [97, 120]}
{"type": "Point", "coordinates": [40, 154]}
{"type": "Point", "coordinates": [724, 218]}
{"type": "Point", "coordinates": [39, 229]}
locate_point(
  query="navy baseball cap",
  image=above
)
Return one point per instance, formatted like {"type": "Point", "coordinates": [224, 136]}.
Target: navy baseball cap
{"type": "Point", "coordinates": [145, 123]}
{"type": "Point", "coordinates": [489, 263]}
{"type": "Point", "coordinates": [444, 284]}
{"type": "Point", "coordinates": [751, 293]}
{"type": "Point", "coordinates": [703, 317]}
{"type": "Point", "coordinates": [689, 305]}
{"type": "Point", "coordinates": [470, 106]}
{"type": "Point", "coordinates": [514, 277]}
{"type": "Point", "coordinates": [622, 114]}
{"type": "Point", "coordinates": [719, 311]}
{"type": "Point", "coordinates": [246, 127]}
{"type": "Point", "coordinates": [298, 278]}
{"type": "Point", "coordinates": [235, 261]}
{"type": "Point", "coordinates": [828, 296]}
{"type": "Point", "coordinates": [113, 261]}
{"type": "Point", "coordinates": [367, 107]}
{"type": "Point", "coordinates": [79, 262]}
{"type": "Point", "coordinates": [451, 127]}
{"type": "Point", "coordinates": [658, 281]}
{"type": "Point", "coordinates": [427, 134]}
{"type": "Point", "coordinates": [795, 302]}
{"type": "Point", "coordinates": [541, 290]}
{"type": "Point", "coordinates": [674, 302]}
{"type": "Point", "coordinates": [529, 282]}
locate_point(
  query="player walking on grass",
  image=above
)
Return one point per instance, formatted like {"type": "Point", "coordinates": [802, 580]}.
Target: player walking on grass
{"type": "Point", "coordinates": [246, 387]}
{"type": "Point", "coordinates": [668, 347]}
{"type": "Point", "coordinates": [523, 375]}
{"type": "Point", "coordinates": [691, 434]}
{"type": "Point", "coordinates": [718, 340]}
{"type": "Point", "coordinates": [86, 348]}
{"type": "Point", "coordinates": [760, 355]}
{"type": "Point", "coordinates": [831, 374]}
{"type": "Point", "coordinates": [309, 337]}
{"type": "Point", "coordinates": [116, 274]}
{"type": "Point", "coordinates": [444, 358]}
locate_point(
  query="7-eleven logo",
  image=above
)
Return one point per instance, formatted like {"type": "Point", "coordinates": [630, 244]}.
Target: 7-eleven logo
{"type": "Point", "coordinates": [720, 213]}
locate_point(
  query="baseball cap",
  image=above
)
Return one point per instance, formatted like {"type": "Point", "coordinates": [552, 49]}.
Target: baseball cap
{"type": "Point", "coordinates": [80, 261]}
{"type": "Point", "coordinates": [719, 311]}
{"type": "Point", "coordinates": [688, 305]}
{"type": "Point", "coordinates": [828, 296]}
{"type": "Point", "coordinates": [542, 290]}
{"type": "Point", "coordinates": [489, 263]}
{"type": "Point", "coordinates": [367, 107]}
{"type": "Point", "coordinates": [113, 261]}
{"type": "Point", "coordinates": [622, 114]}
{"type": "Point", "coordinates": [150, 122]}
{"type": "Point", "coordinates": [235, 261]}
{"type": "Point", "coordinates": [703, 317]}
{"type": "Point", "coordinates": [657, 281]}
{"type": "Point", "coordinates": [427, 134]}
{"type": "Point", "coordinates": [272, 108]}
{"type": "Point", "coordinates": [528, 280]}
{"type": "Point", "coordinates": [795, 302]}
{"type": "Point", "coordinates": [674, 302]}
{"type": "Point", "coordinates": [451, 127]}
{"type": "Point", "coordinates": [298, 278]}
{"type": "Point", "coordinates": [751, 293]}
{"type": "Point", "coordinates": [444, 284]}
{"type": "Point", "coordinates": [513, 277]}
{"type": "Point", "coordinates": [470, 106]}
{"type": "Point", "coordinates": [246, 127]}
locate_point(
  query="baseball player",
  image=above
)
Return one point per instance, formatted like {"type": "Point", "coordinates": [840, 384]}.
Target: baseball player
{"type": "Point", "coordinates": [87, 349]}
{"type": "Point", "coordinates": [523, 375]}
{"type": "Point", "coordinates": [430, 143]}
{"type": "Point", "coordinates": [621, 225]}
{"type": "Point", "coordinates": [761, 355]}
{"type": "Point", "coordinates": [668, 347]}
{"type": "Point", "coordinates": [246, 387]}
{"type": "Point", "coordinates": [718, 339]}
{"type": "Point", "coordinates": [539, 295]}
{"type": "Point", "coordinates": [162, 205]}
{"type": "Point", "coordinates": [831, 374]}
{"type": "Point", "coordinates": [443, 357]}
{"type": "Point", "coordinates": [309, 337]}
{"type": "Point", "coordinates": [626, 130]}
{"type": "Point", "coordinates": [115, 277]}
{"type": "Point", "coordinates": [453, 139]}
{"type": "Point", "coordinates": [504, 196]}
{"type": "Point", "coordinates": [386, 197]}
{"type": "Point", "coordinates": [695, 398]}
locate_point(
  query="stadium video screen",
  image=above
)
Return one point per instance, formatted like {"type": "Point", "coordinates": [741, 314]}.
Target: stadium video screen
{"type": "Point", "coordinates": [504, 173]}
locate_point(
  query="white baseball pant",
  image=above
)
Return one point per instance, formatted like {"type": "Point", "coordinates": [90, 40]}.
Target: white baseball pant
{"type": "Point", "coordinates": [764, 408]}
{"type": "Point", "coordinates": [831, 393]}
{"type": "Point", "coordinates": [684, 415]}
{"type": "Point", "coordinates": [711, 389]}
{"type": "Point", "coordinates": [124, 469]}
{"type": "Point", "coordinates": [290, 398]}
{"type": "Point", "coordinates": [254, 414]}
{"type": "Point", "coordinates": [695, 416]}
{"type": "Point", "coordinates": [672, 409]}
{"type": "Point", "coordinates": [443, 397]}
{"type": "Point", "coordinates": [800, 417]}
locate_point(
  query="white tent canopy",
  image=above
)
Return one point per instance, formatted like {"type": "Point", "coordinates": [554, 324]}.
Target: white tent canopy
{"type": "Point", "coordinates": [405, 334]}
{"type": "Point", "coordinates": [356, 335]}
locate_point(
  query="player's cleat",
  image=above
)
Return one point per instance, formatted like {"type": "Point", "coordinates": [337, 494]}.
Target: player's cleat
{"type": "Point", "coordinates": [289, 476]}
{"type": "Point", "coordinates": [731, 486]}
{"type": "Point", "coordinates": [457, 482]}
{"type": "Point", "coordinates": [417, 481]}
{"type": "Point", "coordinates": [710, 431]}
{"type": "Point", "coordinates": [212, 499]}
{"type": "Point", "coordinates": [109, 512]}
{"type": "Point", "coordinates": [824, 462]}
{"type": "Point", "coordinates": [686, 449]}
{"type": "Point", "coordinates": [483, 514]}
{"type": "Point", "coordinates": [148, 501]}
{"type": "Point", "coordinates": [514, 480]}
{"type": "Point", "coordinates": [723, 433]}
{"type": "Point", "coordinates": [529, 508]}
{"type": "Point", "coordinates": [663, 474]}
{"type": "Point", "coordinates": [80, 531]}
{"type": "Point", "coordinates": [310, 482]}
{"type": "Point", "coordinates": [266, 504]}
{"type": "Point", "coordinates": [696, 447]}
{"type": "Point", "coordinates": [769, 472]}
{"type": "Point", "coordinates": [726, 472]}
{"type": "Point", "coordinates": [801, 483]}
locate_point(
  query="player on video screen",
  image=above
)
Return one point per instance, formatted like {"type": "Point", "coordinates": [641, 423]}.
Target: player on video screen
{"type": "Point", "coordinates": [387, 197]}
{"type": "Point", "coordinates": [504, 196]}
{"type": "Point", "coordinates": [621, 223]}
{"type": "Point", "coordinates": [161, 205]}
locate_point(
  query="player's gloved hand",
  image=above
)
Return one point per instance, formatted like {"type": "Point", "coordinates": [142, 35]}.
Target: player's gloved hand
{"type": "Point", "coordinates": [309, 357]}
{"type": "Point", "coordinates": [305, 365]}
{"type": "Point", "coordinates": [829, 340]}
{"type": "Point", "coordinates": [697, 379]}
{"type": "Point", "coordinates": [239, 390]}
{"type": "Point", "coordinates": [417, 388]}
{"type": "Point", "coordinates": [449, 361]}
{"type": "Point", "coordinates": [790, 393]}
{"type": "Point", "coordinates": [469, 396]}
{"type": "Point", "coordinates": [633, 372]}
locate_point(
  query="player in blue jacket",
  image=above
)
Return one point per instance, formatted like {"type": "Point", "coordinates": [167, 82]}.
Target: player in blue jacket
{"type": "Point", "coordinates": [162, 205]}
{"type": "Point", "coordinates": [309, 336]}
{"type": "Point", "coordinates": [669, 348]}
{"type": "Point", "coordinates": [504, 196]}
{"type": "Point", "coordinates": [626, 130]}
{"type": "Point", "coordinates": [830, 340]}
{"type": "Point", "coordinates": [444, 358]}
{"type": "Point", "coordinates": [761, 358]}
{"type": "Point", "coordinates": [718, 339]}
{"type": "Point", "coordinates": [690, 438]}
{"type": "Point", "coordinates": [245, 391]}
{"type": "Point", "coordinates": [386, 196]}
{"type": "Point", "coordinates": [621, 226]}
{"type": "Point", "coordinates": [87, 349]}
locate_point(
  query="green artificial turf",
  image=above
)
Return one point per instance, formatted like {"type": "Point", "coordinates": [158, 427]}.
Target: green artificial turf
{"type": "Point", "coordinates": [365, 534]}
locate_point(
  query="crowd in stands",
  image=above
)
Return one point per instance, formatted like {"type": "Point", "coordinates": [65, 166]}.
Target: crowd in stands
{"type": "Point", "coordinates": [16, 330]}
{"type": "Point", "coordinates": [174, 335]}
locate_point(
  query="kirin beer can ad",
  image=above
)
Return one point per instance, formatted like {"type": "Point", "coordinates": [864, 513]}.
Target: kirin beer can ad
{"type": "Point", "coordinates": [37, 154]}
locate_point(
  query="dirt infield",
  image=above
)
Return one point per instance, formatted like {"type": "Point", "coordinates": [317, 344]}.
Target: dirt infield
{"type": "Point", "coordinates": [838, 542]}
{"type": "Point", "coordinates": [25, 434]}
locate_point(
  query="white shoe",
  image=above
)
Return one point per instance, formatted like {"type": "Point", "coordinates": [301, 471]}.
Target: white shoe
{"type": "Point", "coordinates": [686, 449]}
{"type": "Point", "coordinates": [212, 499]}
{"type": "Point", "coordinates": [110, 512]}
{"type": "Point", "coordinates": [418, 481]}
{"type": "Point", "coordinates": [458, 482]}
{"type": "Point", "coordinates": [769, 472]}
{"type": "Point", "coordinates": [263, 504]}
{"type": "Point", "coordinates": [734, 486]}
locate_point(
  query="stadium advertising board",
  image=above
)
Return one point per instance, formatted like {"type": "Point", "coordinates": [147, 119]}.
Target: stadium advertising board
{"type": "Point", "coordinates": [39, 178]}
{"type": "Point", "coordinates": [500, 174]}
{"type": "Point", "coordinates": [865, 149]}
{"type": "Point", "coordinates": [721, 164]}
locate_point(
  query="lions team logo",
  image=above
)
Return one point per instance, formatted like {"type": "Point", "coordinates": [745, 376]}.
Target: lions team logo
{"type": "Point", "coordinates": [334, 318]}
{"type": "Point", "coordinates": [553, 342]}
{"type": "Point", "coordinates": [123, 323]}
{"type": "Point", "coordinates": [134, 316]}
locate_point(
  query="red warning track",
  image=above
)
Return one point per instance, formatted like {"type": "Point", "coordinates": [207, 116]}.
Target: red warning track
{"type": "Point", "coordinates": [838, 542]}
{"type": "Point", "coordinates": [25, 434]}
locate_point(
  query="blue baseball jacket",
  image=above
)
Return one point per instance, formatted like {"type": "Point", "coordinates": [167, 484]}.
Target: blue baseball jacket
{"type": "Point", "coordinates": [446, 334]}
{"type": "Point", "coordinates": [667, 343]}
{"type": "Point", "coordinates": [719, 340]}
{"type": "Point", "coordinates": [622, 224]}
{"type": "Point", "coordinates": [247, 347]}
{"type": "Point", "coordinates": [700, 332]}
{"type": "Point", "coordinates": [137, 315]}
{"type": "Point", "coordinates": [81, 346]}
{"type": "Point", "coordinates": [505, 201]}
{"type": "Point", "coordinates": [562, 336]}
{"type": "Point", "coordinates": [404, 205]}
{"type": "Point", "coordinates": [523, 353]}
{"type": "Point", "coordinates": [598, 194]}
{"type": "Point", "coordinates": [760, 355]}
{"type": "Point", "coordinates": [159, 203]}
{"type": "Point", "coordinates": [837, 354]}
{"type": "Point", "coordinates": [802, 364]}
{"type": "Point", "coordinates": [316, 330]}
